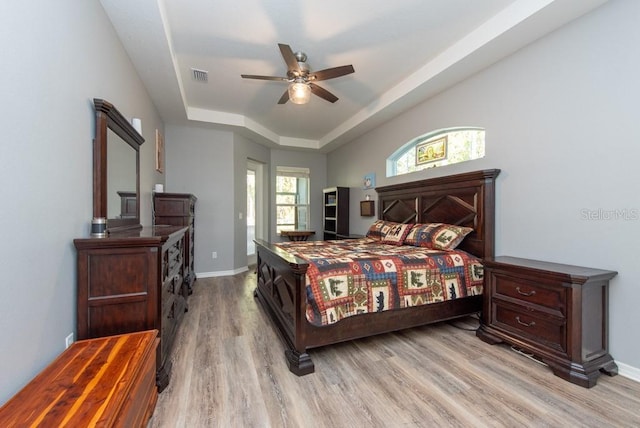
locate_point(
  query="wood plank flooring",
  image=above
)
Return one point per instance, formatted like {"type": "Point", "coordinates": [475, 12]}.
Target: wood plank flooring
{"type": "Point", "coordinates": [229, 371]}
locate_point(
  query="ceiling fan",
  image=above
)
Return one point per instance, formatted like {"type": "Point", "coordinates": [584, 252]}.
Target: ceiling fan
{"type": "Point", "coordinates": [301, 79]}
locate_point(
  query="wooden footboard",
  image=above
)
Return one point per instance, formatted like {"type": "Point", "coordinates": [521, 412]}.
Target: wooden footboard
{"type": "Point", "coordinates": [281, 290]}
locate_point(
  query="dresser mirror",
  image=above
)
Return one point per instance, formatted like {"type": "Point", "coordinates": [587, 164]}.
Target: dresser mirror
{"type": "Point", "coordinates": [116, 168]}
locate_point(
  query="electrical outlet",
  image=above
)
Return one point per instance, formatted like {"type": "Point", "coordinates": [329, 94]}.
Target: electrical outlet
{"type": "Point", "coordinates": [68, 340]}
{"type": "Point", "coordinates": [214, 255]}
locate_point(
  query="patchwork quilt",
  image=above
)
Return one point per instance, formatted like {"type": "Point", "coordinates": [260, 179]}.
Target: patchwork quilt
{"type": "Point", "coordinates": [356, 276]}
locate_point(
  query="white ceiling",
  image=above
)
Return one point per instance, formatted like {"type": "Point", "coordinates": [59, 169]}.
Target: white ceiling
{"type": "Point", "coordinates": [403, 52]}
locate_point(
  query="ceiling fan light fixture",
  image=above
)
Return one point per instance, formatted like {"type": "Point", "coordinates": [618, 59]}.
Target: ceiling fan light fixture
{"type": "Point", "coordinates": [301, 81]}
{"type": "Point", "coordinates": [299, 92]}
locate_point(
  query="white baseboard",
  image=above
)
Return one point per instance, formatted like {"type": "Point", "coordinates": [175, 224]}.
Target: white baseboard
{"type": "Point", "coordinates": [628, 371]}
{"type": "Point", "coordinates": [221, 273]}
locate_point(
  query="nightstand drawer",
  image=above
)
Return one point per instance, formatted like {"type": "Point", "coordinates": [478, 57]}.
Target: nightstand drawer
{"type": "Point", "coordinates": [530, 292]}
{"type": "Point", "coordinates": [531, 325]}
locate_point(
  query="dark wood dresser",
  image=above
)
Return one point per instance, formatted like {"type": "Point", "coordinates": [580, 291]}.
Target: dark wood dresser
{"type": "Point", "coordinates": [131, 281]}
{"type": "Point", "coordinates": [104, 382]}
{"type": "Point", "coordinates": [558, 313]}
{"type": "Point", "coordinates": [178, 209]}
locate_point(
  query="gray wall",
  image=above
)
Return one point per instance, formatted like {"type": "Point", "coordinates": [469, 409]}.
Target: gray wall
{"type": "Point", "coordinates": [561, 119]}
{"type": "Point", "coordinates": [56, 57]}
{"type": "Point", "coordinates": [200, 161]}
{"type": "Point", "coordinates": [212, 164]}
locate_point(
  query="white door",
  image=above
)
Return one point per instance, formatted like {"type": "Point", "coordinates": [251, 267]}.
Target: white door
{"type": "Point", "coordinates": [255, 217]}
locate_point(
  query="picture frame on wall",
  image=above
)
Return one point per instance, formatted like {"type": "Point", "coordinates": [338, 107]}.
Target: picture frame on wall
{"type": "Point", "coordinates": [431, 151]}
{"type": "Point", "coordinates": [369, 181]}
{"type": "Point", "coordinates": [159, 152]}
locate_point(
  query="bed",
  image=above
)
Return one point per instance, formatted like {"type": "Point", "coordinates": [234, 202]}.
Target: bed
{"type": "Point", "coordinates": [466, 199]}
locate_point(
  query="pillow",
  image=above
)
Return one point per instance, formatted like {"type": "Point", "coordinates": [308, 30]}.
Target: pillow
{"type": "Point", "coordinates": [375, 230]}
{"type": "Point", "coordinates": [437, 236]}
{"type": "Point", "coordinates": [394, 233]}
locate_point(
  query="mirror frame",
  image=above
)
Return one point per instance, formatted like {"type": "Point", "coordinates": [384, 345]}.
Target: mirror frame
{"type": "Point", "coordinates": [108, 117]}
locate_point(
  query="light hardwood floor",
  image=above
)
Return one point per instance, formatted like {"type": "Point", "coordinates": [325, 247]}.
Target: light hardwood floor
{"type": "Point", "coordinates": [229, 371]}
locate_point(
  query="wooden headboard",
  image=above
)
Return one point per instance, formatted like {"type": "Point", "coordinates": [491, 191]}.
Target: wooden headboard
{"type": "Point", "coordinates": [463, 199]}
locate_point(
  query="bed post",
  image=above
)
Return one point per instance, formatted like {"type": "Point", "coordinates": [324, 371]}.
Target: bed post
{"type": "Point", "coordinates": [298, 360]}
{"type": "Point", "coordinates": [489, 212]}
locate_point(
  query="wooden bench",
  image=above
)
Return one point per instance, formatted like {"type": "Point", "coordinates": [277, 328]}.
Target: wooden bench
{"type": "Point", "coordinates": [103, 382]}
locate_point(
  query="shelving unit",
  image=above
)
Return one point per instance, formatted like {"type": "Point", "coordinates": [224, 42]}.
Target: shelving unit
{"type": "Point", "coordinates": [335, 215]}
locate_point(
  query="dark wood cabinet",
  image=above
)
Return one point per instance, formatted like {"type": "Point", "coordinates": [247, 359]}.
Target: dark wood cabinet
{"type": "Point", "coordinates": [178, 209]}
{"type": "Point", "coordinates": [558, 313]}
{"type": "Point", "coordinates": [335, 215]}
{"type": "Point", "coordinates": [132, 281]}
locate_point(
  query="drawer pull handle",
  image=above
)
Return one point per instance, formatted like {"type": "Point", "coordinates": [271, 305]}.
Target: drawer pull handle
{"type": "Point", "coordinates": [529, 294]}
{"type": "Point", "coordinates": [531, 324]}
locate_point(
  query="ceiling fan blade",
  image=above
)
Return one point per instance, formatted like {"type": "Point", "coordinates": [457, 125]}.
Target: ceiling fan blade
{"type": "Point", "coordinates": [253, 76]}
{"type": "Point", "coordinates": [323, 93]}
{"type": "Point", "coordinates": [330, 73]}
{"type": "Point", "coordinates": [284, 98]}
{"type": "Point", "coordinates": [290, 59]}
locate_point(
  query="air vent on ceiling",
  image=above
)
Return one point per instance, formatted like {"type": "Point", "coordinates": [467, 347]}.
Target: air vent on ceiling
{"type": "Point", "coordinates": [200, 75]}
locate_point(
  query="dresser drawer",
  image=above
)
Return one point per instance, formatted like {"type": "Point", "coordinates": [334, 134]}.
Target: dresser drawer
{"type": "Point", "coordinates": [175, 255]}
{"type": "Point", "coordinates": [169, 326]}
{"type": "Point", "coordinates": [531, 325]}
{"type": "Point", "coordinates": [173, 285]}
{"type": "Point", "coordinates": [172, 207]}
{"type": "Point", "coordinates": [167, 296]}
{"type": "Point", "coordinates": [529, 292]}
{"type": "Point", "coordinates": [172, 260]}
{"type": "Point", "coordinates": [172, 221]}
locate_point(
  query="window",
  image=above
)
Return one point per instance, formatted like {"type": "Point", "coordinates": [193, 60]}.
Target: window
{"type": "Point", "coordinates": [437, 148]}
{"type": "Point", "coordinates": [292, 199]}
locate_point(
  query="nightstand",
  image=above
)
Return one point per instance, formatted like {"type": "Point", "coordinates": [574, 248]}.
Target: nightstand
{"type": "Point", "coordinates": [557, 312]}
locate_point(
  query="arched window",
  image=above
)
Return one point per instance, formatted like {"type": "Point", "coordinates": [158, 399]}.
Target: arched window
{"type": "Point", "coordinates": [437, 148]}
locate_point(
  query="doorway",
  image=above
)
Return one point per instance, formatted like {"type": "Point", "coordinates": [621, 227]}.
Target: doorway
{"type": "Point", "coordinates": [255, 203]}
